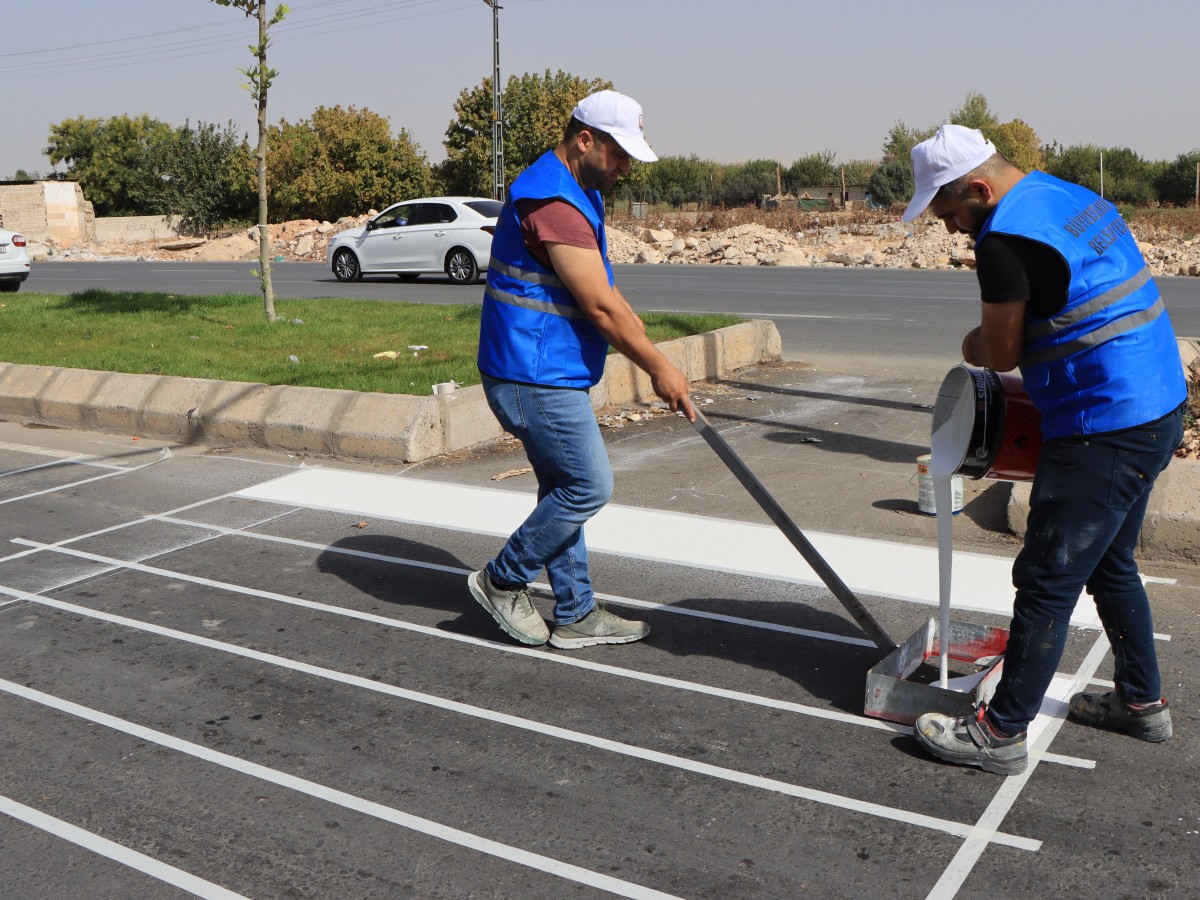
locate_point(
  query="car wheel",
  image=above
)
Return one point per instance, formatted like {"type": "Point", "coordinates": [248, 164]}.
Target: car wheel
{"type": "Point", "coordinates": [345, 266]}
{"type": "Point", "coordinates": [407, 276]}
{"type": "Point", "coordinates": [460, 266]}
{"type": "Point", "coordinates": [10, 287]}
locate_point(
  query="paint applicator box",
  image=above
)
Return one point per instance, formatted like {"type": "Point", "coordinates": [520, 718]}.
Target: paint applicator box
{"type": "Point", "coordinates": [893, 694]}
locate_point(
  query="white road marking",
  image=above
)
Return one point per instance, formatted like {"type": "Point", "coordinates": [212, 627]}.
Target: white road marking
{"type": "Point", "coordinates": [721, 773]}
{"type": "Point", "coordinates": [871, 567]}
{"type": "Point", "coordinates": [560, 659]}
{"type": "Point", "coordinates": [73, 484]}
{"type": "Point", "coordinates": [959, 869]}
{"type": "Point", "coordinates": [340, 798]}
{"type": "Point", "coordinates": [114, 851]}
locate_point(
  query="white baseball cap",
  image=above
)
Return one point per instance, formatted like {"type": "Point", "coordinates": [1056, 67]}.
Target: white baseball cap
{"type": "Point", "coordinates": [618, 116]}
{"type": "Point", "coordinates": [951, 153]}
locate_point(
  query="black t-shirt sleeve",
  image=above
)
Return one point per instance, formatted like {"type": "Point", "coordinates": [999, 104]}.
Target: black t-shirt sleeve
{"type": "Point", "coordinates": [1011, 268]}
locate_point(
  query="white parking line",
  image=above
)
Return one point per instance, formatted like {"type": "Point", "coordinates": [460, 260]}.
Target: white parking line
{"type": "Point", "coordinates": [959, 869]}
{"type": "Point", "coordinates": [721, 773]}
{"type": "Point", "coordinates": [340, 798]}
{"type": "Point", "coordinates": [112, 564]}
{"type": "Point", "coordinates": [165, 454]}
{"type": "Point", "coordinates": [560, 659]}
{"type": "Point", "coordinates": [114, 851]}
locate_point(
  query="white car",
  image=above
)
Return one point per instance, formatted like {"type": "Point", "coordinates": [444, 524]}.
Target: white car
{"type": "Point", "coordinates": [14, 260]}
{"type": "Point", "coordinates": [419, 237]}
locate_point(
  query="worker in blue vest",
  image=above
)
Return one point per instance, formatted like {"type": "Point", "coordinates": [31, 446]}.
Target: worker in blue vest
{"type": "Point", "coordinates": [1067, 298]}
{"type": "Point", "coordinates": [551, 310]}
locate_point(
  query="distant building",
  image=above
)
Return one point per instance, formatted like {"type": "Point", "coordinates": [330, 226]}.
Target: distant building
{"type": "Point", "coordinates": [47, 210]}
{"type": "Point", "coordinates": [817, 197]}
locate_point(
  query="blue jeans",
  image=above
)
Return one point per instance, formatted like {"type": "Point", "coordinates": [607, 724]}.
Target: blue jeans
{"type": "Point", "coordinates": [1085, 514]}
{"type": "Point", "coordinates": [563, 443]}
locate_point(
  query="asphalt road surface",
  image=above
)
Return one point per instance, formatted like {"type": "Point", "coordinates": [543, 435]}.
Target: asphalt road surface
{"type": "Point", "coordinates": [210, 690]}
{"type": "Point", "coordinates": [882, 317]}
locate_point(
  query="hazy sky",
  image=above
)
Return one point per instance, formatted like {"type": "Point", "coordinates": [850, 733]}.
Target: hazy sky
{"type": "Point", "coordinates": [729, 81]}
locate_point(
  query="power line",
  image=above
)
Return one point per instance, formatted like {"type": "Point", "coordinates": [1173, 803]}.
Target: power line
{"type": "Point", "coordinates": [283, 32]}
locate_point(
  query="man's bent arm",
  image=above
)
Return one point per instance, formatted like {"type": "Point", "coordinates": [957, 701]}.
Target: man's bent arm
{"type": "Point", "coordinates": [999, 340]}
{"type": "Point", "coordinates": [582, 271]}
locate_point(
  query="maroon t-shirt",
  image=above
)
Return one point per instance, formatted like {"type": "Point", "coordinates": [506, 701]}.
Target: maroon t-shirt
{"type": "Point", "coordinates": [553, 221]}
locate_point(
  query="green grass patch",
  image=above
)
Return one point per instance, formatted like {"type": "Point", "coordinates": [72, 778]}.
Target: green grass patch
{"type": "Point", "coordinates": [226, 337]}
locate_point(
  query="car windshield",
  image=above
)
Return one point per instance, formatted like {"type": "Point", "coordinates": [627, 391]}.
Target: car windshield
{"type": "Point", "coordinates": [489, 209]}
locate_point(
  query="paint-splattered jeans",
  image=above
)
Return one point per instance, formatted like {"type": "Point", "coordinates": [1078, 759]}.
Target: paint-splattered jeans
{"type": "Point", "coordinates": [563, 443]}
{"type": "Point", "coordinates": [1085, 514]}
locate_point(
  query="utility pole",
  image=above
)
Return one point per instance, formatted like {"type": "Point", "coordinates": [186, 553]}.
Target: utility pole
{"type": "Point", "coordinates": [497, 110]}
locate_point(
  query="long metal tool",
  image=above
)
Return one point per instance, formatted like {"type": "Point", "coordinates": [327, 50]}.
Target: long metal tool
{"type": "Point", "coordinates": [814, 559]}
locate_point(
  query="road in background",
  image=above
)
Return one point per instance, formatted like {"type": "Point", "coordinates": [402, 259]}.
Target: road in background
{"type": "Point", "coordinates": [890, 317]}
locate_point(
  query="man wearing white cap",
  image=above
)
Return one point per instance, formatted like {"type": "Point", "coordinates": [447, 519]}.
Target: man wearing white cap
{"type": "Point", "coordinates": [1067, 298]}
{"type": "Point", "coordinates": [551, 310]}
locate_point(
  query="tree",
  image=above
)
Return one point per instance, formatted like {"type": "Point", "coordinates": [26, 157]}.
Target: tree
{"type": "Point", "coordinates": [200, 174]}
{"type": "Point", "coordinates": [741, 184]}
{"type": "Point", "coordinates": [678, 180]}
{"type": "Point", "coordinates": [901, 139]}
{"type": "Point", "coordinates": [811, 171]}
{"type": "Point", "coordinates": [260, 79]}
{"type": "Point", "coordinates": [1176, 181]}
{"type": "Point", "coordinates": [892, 182]}
{"type": "Point", "coordinates": [343, 162]}
{"type": "Point", "coordinates": [975, 113]}
{"type": "Point", "coordinates": [536, 110]}
{"type": "Point", "coordinates": [108, 157]}
{"type": "Point", "coordinates": [1019, 143]}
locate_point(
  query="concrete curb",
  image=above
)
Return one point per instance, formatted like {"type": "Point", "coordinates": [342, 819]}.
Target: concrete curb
{"type": "Point", "coordinates": [316, 421]}
{"type": "Point", "coordinates": [1172, 526]}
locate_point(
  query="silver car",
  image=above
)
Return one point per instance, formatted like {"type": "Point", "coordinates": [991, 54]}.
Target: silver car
{"type": "Point", "coordinates": [419, 237]}
{"type": "Point", "coordinates": [14, 260]}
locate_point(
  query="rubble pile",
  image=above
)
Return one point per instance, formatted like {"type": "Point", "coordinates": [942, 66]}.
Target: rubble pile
{"type": "Point", "coordinates": [924, 244]}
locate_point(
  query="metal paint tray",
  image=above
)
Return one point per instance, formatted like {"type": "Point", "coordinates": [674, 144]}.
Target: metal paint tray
{"type": "Point", "coordinates": [891, 696]}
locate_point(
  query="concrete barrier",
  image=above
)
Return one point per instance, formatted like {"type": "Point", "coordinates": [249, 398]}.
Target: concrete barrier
{"type": "Point", "coordinates": [322, 422]}
{"type": "Point", "coordinates": [136, 228]}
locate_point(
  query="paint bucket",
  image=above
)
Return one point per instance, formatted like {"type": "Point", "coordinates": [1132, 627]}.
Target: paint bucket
{"type": "Point", "coordinates": [993, 408]}
{"type": "Point", "coordinates": [926, 504]}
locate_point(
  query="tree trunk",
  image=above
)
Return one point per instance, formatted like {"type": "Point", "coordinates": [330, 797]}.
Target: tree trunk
{"type": "Point", "coordinates": [264, 242]}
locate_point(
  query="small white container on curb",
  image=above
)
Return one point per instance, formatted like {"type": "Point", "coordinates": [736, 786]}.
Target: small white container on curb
{"type": "Point", "coordinates": [445, 387]}
{"type": "Point", "coordinates": [926, 504]}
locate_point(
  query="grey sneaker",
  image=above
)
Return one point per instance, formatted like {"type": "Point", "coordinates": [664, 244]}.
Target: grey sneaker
{"type": "Point", "coordinates": [513, 610]}
{"type": "Point", "coordinates": [598, 627]}
{"type": "Point", "coordinates": [970, 741]}
{"type": "Point", "coordinates": [1109, 711]}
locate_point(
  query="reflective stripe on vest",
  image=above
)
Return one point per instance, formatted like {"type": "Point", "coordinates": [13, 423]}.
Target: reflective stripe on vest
{"type": "Point", "coordinates": [544, 278]}
{"type": "Point", "coordinates": [542, 306]}
{"type": "Point", "coordinates": [1096, 337]}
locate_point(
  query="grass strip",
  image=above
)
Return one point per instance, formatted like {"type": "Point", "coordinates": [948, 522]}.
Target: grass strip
{"type": "Point", "coordinates": [328, 342]}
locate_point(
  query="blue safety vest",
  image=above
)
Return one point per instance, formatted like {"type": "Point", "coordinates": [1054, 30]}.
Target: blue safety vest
{"type": "Point", "coordinates": [532, 330]}
{"type": "Point", "coordinates": [1108, 359]}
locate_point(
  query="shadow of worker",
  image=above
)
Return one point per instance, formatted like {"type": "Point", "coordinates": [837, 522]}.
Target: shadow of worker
{"type": "Point", "coordinates": [411, 577]}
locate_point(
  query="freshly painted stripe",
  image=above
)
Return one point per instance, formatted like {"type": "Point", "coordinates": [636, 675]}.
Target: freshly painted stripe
{"type": "Point", "coordinates": [869, 567]}
{"type": "Point", "coordinates": [340, 798]}
{"type": "Point", "coordinates": [666, 759]}
{"type": "Point", "coordinates": [537, 586]}
{"type": "Point", "coordinates": [148, 865]}
{"type": "Point", "coordinates": [960, 868]}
